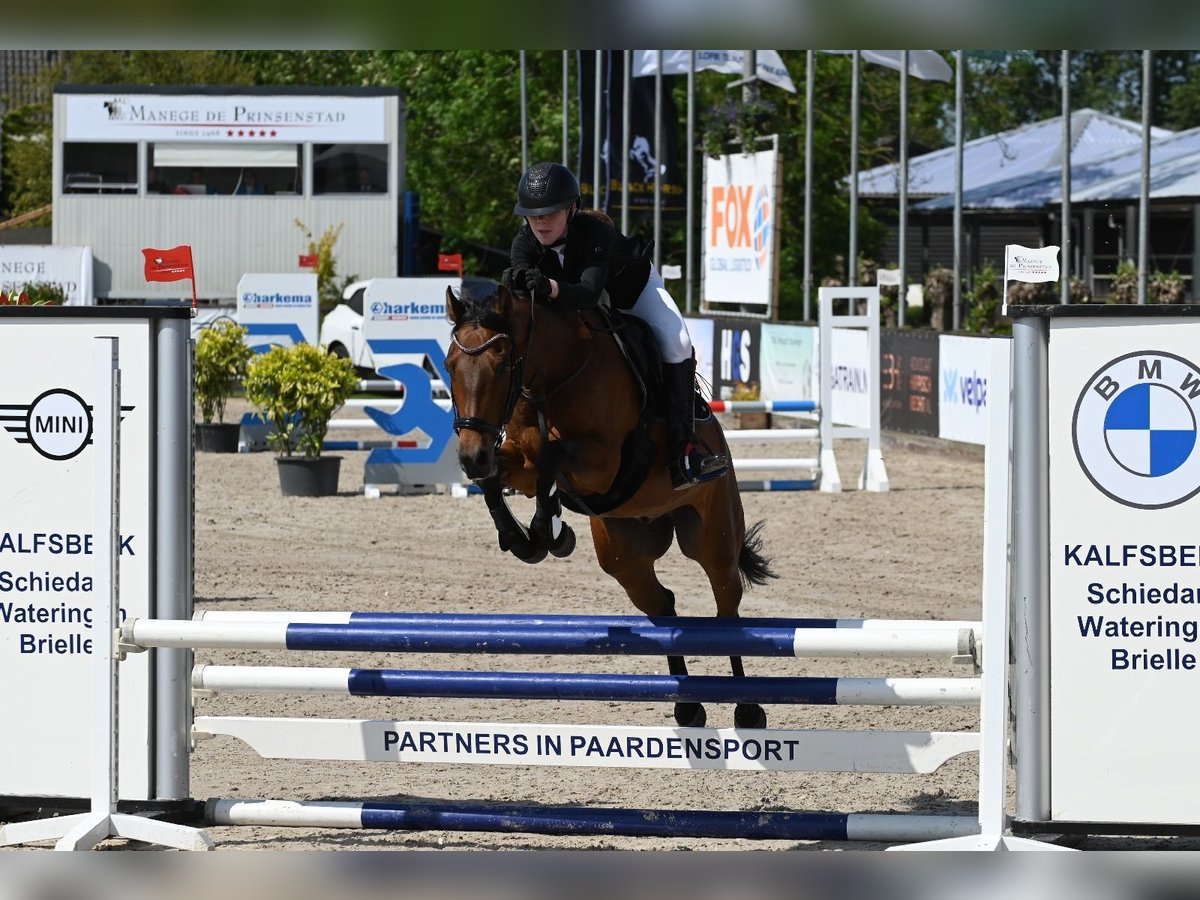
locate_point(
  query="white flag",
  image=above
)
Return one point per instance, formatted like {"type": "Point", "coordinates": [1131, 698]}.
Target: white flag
{"type": "Point", "coordinates": [887, 276]}
{"type": "Point", "coordinates": [769, 64]}
{"type": "Point", "coordinates": [1028, 264]}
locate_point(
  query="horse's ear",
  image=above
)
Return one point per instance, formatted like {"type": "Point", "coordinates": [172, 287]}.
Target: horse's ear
{"type": "Point", "coordinates": [454, 306]}
{"type": "Point", "coordinates": [504, 299]}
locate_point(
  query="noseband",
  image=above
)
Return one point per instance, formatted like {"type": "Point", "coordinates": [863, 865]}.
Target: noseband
{"type": "Point", "coordinates": [515, 375]}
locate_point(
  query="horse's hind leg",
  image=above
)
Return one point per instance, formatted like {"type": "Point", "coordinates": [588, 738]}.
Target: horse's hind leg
{"type": "Point", "coordinates": [718, 550]}
{"type": "Point", "coordinates": [627, 550]}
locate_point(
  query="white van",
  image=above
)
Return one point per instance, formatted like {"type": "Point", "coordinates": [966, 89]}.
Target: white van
{"type": "Point", "coordinates": [342, 329]}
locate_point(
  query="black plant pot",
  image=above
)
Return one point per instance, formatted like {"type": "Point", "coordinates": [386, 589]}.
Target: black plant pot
{"type": "Point", "coordinates": [301, 476]}
{"type": "Point", "coordinates": [217, 437]}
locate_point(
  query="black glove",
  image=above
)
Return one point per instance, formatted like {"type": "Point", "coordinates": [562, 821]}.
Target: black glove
{"type": "Point", "coordinates": [513, 278]}
{"type": "Point", "coordinates": [537, 284]}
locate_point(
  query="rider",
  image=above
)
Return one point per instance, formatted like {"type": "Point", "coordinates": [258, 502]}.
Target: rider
{"type": "Point", "coordinates": [562, 256]}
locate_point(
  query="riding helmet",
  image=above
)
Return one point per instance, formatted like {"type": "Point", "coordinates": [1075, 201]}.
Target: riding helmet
{"type": "Point", "coordinates": [546, 188]}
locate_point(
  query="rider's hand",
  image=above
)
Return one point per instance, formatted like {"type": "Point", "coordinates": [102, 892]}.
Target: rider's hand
{"type": "Point", "coordinates": [513, 278]}
{"type": "Point", "coordinates": [537, 284]}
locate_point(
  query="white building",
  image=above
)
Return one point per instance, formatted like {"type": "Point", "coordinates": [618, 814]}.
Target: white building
{"type": "Point", "coordinates": [229, 171]}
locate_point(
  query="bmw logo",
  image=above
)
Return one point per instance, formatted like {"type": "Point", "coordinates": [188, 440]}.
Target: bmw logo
{"type": "Point", "coordinates": [1135, 429]}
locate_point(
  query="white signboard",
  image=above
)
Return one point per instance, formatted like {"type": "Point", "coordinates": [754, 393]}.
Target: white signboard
{"type": "Point", "coordinates": [278, 309]}
{"type": "Point", "coordinates": [405, 326]}
{"type": "Point", "coordinates": [963, 389]}
{"type": "Point", "coordinates": [1124, 481]}
{"type": "Point", "coordinates": [740, 222]}
{"type": "Point", "coordinates": [68, 267]}
{"type": "Point", "coordinates": [787, 362]}
{"type": "Point", "coordinates": [239, 118]}
{"type": "Point", "coordinates": [46, 566]}
{"type": "Point", "coordinates": [851, 379]}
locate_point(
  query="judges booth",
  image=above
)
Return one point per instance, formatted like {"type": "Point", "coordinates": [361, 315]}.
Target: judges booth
{"type": "Point", "coordinates": [229, 171]}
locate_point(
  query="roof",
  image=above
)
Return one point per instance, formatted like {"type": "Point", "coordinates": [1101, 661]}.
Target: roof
{"type": "Point", "coordinates": [1175, 177]}
{"type": "Point", "coordinates": [1009, 155]}
{"type": "Point", "coordinates": [1106, 178]}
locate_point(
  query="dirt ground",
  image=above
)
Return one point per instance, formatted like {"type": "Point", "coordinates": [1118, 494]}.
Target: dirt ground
{"type": "Point", "coordinates": [912, 553]}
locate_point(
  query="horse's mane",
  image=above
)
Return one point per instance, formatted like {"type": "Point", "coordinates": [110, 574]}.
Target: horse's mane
{"type": "Point", "coordinates": [480, 298]}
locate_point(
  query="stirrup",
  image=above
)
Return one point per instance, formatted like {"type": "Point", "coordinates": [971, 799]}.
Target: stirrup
{"type": "Point", "coordinates": [696, 465]}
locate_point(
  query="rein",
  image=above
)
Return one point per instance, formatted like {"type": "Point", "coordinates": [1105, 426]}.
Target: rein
{"type": "Point", "coordinates": [516, 386]}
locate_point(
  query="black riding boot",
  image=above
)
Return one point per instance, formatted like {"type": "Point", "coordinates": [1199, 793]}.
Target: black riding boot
{"type": "Point", "coordinates": [691, 461]}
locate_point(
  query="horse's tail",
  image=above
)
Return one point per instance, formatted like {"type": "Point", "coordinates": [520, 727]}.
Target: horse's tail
{"type": "Point", "coordinates": [754, 567]}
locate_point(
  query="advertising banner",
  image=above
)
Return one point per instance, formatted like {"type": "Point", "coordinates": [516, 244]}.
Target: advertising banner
{"type": "Point", "coordinates": [227, 119]}
{"type": "Point", "coordinates": [70, 268]}
{"type": "Point", "coordinates": [404, 323]}
{"type": "Point", "coordinates": [787, 360]}
{"type": "Point", "coordinates": [908, 375]}
{"type": "Point", "coordinates": [741, 199]}
{"type": "Point", "coordinates": [1124, 617]}
{"type": "Point", "coordinates": [851, 378]}
{"type": "Point", "coordinates": [963, 389]}
{"type": "Point", "coordinates": [46, 562]}
{"type": "Point", "coordinates": [735, 350]}
{"type": "Point", "coordinates": [279, 309]}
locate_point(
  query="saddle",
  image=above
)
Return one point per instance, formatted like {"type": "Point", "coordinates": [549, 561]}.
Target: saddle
{"type": "Point", "coordinates": [640, 349]}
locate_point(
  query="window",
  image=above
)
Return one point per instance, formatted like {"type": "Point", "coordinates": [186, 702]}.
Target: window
{"type": "Point", "coordinates": [99, 168]}
{"type": "Point", "coordinates": [223, 169]}
{"type": "Point", "coordinates": [350, 168]}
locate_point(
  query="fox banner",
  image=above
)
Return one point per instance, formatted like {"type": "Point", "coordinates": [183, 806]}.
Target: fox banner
{"type": "Point", "coordinates": [740, 235]}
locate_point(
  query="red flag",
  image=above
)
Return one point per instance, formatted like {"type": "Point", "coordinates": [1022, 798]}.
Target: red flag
{"type": "Point", "coordinates": [171, 265]}
{"type": "Point", "coordinates": [450, 262]}
{"type": "Point", "coordinates": [308, 260]}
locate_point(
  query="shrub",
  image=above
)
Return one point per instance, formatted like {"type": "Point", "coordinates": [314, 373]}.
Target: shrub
{"type": "Point", "coordinates": [221, 358]}
{"type": "Point", "coordinates": [298, 389]}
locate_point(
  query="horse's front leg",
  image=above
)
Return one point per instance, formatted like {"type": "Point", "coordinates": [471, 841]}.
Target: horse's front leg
{"type": "Point", "coordinates": [512, 535]}
{"type": "Point", "coordinates": [548, 526]}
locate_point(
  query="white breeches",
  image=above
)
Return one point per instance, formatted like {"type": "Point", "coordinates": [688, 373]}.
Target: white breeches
{"type": "Point", "coordinates": [655, 307]}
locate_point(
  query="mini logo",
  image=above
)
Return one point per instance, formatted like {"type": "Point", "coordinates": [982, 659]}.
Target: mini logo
{"type": "Point", "coordinates": [58, 424]}
{"type": "Point", "coordinates": [1135, 429]}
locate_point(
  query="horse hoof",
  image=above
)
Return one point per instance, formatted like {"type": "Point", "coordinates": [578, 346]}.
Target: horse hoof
{"type": "Point", "coordinates": [565, 545]}
{"type": "Point", "coordinates": [749, 715]}
{"type": "Point", "coordinates": [690, 715]}
{"type": "Point", "coordinates": [523, 548]}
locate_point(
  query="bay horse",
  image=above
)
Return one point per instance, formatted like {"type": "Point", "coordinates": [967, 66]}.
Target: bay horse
{"type": "Point", "coordinates": [546, 404]}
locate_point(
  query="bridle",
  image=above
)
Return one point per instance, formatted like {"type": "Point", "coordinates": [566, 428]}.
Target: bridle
{"type": "Point", "coordinates": [516, 372]}
{"type": "Point", "coordinates": [516, 387]}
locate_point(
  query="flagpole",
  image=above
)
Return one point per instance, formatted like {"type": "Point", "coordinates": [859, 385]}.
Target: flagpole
{"type": "Point", "coordinates": [960, 68]}
{"type": "Point", "coordinates": [810, 67]}
{"type": "Point", "coordinates": [596, 132]}
{"type": "Point", "coordinates": [192, 269]}
{"type": "Point", "coordinates": [566, 81]}
{"type": "Point", "coordinates": [902, 288]}
{"type": "Point", "coordinates": [524, 119]}
{"type": "Point", "coordinates": [626, 86]}
{"type": "Point", "coordinates": [1065, 214]}
{"type": "Point", "coordinates": [658, 155]}
{"type": "Point", "coordinates": [691, 174]}
{"type": "Point", "coordinates": [852, 262]}
{"type": "Point", "coordinates": [1144, 198]}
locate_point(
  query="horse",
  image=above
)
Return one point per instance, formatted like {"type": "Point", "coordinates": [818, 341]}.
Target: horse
{"type": "Point", "coordinates": [546, 404]}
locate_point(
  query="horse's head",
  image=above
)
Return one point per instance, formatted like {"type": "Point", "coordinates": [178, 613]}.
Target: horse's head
{"type": "Point", "coordinates": [485, 370]}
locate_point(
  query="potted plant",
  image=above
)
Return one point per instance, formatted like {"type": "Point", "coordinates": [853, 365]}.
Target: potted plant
{"type": "Point", "coordinates": [298, 389]}
{"type": "Point", "coordinates": [221, 359]}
